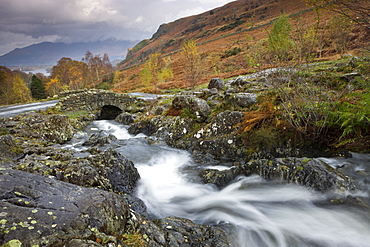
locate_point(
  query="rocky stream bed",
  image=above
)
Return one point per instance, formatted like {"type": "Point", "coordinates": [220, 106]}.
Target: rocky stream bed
{"type": "Point", "coordinates": [53, 194]}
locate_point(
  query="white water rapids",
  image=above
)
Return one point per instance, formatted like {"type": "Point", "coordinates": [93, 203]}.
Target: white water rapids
{"type": "Point", "coordinates": [264, 213]}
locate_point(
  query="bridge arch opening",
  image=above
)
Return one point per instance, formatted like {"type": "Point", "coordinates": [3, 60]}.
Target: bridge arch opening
{"type": "Point", "coordinates": [109, 112]}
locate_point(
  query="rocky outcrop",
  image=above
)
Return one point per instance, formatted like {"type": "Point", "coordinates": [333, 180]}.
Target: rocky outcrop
{"type": "Point", "coordinates": [242, 99]}
{"type": "Point", "coordinates": [50, 128]}
{"type": "Point", "coordinates": [125, 118]}
{"type": "Point", "coordinates": [306, 172]}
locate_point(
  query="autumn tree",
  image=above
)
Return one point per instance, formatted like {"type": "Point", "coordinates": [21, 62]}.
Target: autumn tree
{"type": "Point", "coordinates": [280, 42]}
{"type": "Point", "coordinates": [156, 70]}
{"type": "Point", "coordinates": [99, 68]}
{"type": "Point", "coordinates": [118, 77]}
{"type": "Point", "coordinates": [306, 39]}
{"type": "Point", "coordinates": [37, 88]}
{"type": "Point", "coordinates": [357, 11]}
{"type": "Point", "coordinates": [20, 93]}
{"type": "Point", "coordinates": [339, 33]}
{"type": "Point", "coordinates": [5, 85]}
{"type": "Point", "coordinates": [53, 86]}
{"type": "Point", "coordinates": [68, 74]}
{"type": "Point", "coordinates": [192, 62]}
{"type": "Point", "coordinates": [13, 89]}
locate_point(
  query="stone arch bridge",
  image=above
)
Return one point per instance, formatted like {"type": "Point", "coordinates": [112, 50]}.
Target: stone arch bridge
{"type": "Point", "coordinates": [105, 104]}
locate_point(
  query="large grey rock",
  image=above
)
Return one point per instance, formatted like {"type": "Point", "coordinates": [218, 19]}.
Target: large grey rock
{"type": "Point", "coordinates": [242, 99]}
{"type": "Point", "coordinates": [216, 83]}
{"type": "Point", "coordinates": [181, 101]}
{"type": "Point", "coordinates": [181, 232]}
{"type": "Point", "coordinates": [99, 139]}
{"type": "Point", "coordinates": [167, 128]}
{"type": "Point", "coordinates": [125, 118]}
{"type": "Point", "coordinates": [200, 108]}
{"type": "Point", "coordinates": [224, 123]}
{"type": "Point", "coordinates": [240, 81]}
{"type": "Point", "coordinates": [197, 107]}
{"type": "Point", "coordinates": [41, 211]}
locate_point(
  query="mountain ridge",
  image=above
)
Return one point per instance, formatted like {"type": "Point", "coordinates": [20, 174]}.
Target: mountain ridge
{"type": "Point", "coordinates": [48, 53]}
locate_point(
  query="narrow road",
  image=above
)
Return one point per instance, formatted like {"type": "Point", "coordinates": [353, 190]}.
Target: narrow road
{"type": "Point", "coordinates": [9, 111]}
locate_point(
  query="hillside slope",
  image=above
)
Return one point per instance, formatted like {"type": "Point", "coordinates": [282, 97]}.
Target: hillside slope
{"type": "Point", "coordinates": [230, 19]}
{"type": "Point", "coordinates": [239, 24]}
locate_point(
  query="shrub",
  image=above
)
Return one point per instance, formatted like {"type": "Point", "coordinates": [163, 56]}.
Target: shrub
{"type": "Point", "coordinates": [353, 119]}
{"type": "Point", "coordinates": [231, 52]}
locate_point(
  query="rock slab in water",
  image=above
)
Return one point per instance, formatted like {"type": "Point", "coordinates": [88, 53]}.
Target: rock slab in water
{"type": "Point", "coordinates": [108, 170]}
{"type": "Point", "coordinates": [306, 172]}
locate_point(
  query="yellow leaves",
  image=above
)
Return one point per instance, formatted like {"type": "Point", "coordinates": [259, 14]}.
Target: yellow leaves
{"type": "Point", "coordinates": [53, 86]}
{"type": "Point", "coordinates": [19, 92]}
{"type": "Point", "coordinates": [72, 74]}
{"type": "Point", "coordinates": [165, 74]}
{"type": "Point", "coordinates": [155, 70]}
{"type": "Point", "coordinates": [118, 77]}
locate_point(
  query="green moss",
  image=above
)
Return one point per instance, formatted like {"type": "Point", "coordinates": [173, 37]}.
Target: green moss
{"type": "Point", "coordinates": [305, 161]}
{"type": "Point", "coordinates": [13, 243]}
{"type": "Point", "coordinates": [299, 168]}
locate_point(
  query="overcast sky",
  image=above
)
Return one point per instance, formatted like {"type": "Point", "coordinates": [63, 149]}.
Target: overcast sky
{"type": "Point", "coordinates": [25, 22]}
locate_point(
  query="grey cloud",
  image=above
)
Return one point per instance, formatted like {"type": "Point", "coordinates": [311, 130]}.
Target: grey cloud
{"type": "Point", "coordinates": [89, 20]}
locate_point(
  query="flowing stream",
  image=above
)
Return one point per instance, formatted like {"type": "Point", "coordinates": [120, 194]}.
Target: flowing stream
{"type": "Point", "coordinates": [264, 213]}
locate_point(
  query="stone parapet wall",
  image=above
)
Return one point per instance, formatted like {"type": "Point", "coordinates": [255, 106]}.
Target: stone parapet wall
{"type": "Point", "coordinates": [93, 100]}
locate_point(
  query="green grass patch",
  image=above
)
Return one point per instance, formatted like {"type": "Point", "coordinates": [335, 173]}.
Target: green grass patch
{"type": "Point", "coordinates": [76, 114]}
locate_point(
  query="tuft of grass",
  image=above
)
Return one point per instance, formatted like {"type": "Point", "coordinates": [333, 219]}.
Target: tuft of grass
{"type": "Point", "coordinates": [133, 240]}
{"type": "Point", "coordinates": [4, 131]}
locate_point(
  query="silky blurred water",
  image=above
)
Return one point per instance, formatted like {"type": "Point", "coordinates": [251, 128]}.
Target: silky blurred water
{"type": "Point", "coordinates": [264, 213]}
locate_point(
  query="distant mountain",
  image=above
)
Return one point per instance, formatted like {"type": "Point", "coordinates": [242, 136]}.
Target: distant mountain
{"type": "Point", "coordinates": [48, 53]}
